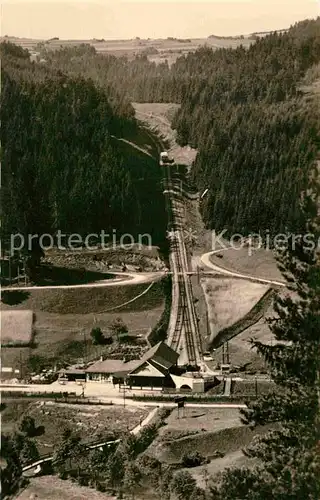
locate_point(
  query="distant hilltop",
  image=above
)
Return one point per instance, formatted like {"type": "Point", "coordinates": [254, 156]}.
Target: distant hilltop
{"type": "Point", "coordinates": [261, 33]}
{"type": "Point", "coordinates": [237, 37]}
{"type": "Point", "coordinates": [251, 35]}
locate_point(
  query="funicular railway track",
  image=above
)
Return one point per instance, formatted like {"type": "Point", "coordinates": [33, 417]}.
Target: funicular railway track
{"type": "Point", "coordinates": [184, 335]}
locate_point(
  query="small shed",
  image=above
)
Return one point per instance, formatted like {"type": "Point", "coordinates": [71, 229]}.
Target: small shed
{"type": "Point", "coordinates": [72, 375]}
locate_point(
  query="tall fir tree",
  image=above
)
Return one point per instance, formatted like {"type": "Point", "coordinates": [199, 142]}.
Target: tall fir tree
{"type": "Point", "coordinates": [289, 455]}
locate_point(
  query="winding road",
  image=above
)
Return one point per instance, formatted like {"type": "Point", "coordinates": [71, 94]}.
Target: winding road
{"type": "Point", "coordinates": [205, 259]}
{"type": "Point", "coordinates": [124, 279]}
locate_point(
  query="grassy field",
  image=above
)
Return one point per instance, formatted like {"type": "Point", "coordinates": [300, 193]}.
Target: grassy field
{"type": "Point", "coordinates": [206, 431]}
{"type": "Point", "coordinates": [89, 300]}
{"type": "Point", "coordinates": [92, 422]}
{"type": "Point", "coordinates": [16, 327]}
{"type": "Point", "coordinates": [196, 420]}
{"type": "Point", "coordinates": [226, 441]}
{"type": "Point", "coordinates": [261, 263]}
{"type": "Point", "coordinates": [240, 351]}
{"type": "Point", "coordinates": [64, 319]}
{"type": "Point", "coordinates": [53, 488]}
{"type": "Point", "coordinates": [250, 387]}
{"type": "Point", "coordinates": [234, 459]}
{"type": "Point", "coordinates": [222, 297]}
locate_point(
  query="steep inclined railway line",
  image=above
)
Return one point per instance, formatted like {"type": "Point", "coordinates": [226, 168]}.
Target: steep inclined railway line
{"type": "Point", "coordinates": [183, 331]}
{"type": "Point", "coordinates": [183, 335]}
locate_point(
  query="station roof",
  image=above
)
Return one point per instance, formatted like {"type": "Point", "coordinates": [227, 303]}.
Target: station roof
{"type": "Point", "coordinates": [111, 366]}
{"type": "Point", "coordinates": [161, 354]}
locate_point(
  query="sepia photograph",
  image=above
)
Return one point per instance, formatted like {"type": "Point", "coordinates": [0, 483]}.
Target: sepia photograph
{"type": "Point", "coordinates": [160, 249]}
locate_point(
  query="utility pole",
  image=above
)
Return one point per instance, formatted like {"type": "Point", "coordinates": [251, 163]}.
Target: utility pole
{"type": "Point", "coordinates": [84, 348]}
{"type": "Point", "coordinates": [228, 359]}
{"type": "Point", "coordinates": [207, 321]}
{"type": "Point", "coordinates": [20, 365]}
{"type": "Point", "coordinates": [25, 271]}
{"type": "Point", "coordinates": [124, 393]}
{"type": "Point", "coordinates": [10, 269]}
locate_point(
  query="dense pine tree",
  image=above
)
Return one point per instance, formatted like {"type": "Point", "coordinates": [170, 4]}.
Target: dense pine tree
{"type": "Point", "coordinates": [289, 457]}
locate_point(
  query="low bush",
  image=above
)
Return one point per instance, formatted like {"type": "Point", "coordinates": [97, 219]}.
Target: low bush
{"type": "Point", "coordinates": [83, 480]}
{"type": "Point", "coordinates": [101, 487]}
{"type": "Point", "coordinates": [148, 463]}
{"type": "Point", "coordinates": [193, 459]}
{"type": "Point", "coordinates": [63, 475]}
{"type": "Point", "coordinates": [217, 454]}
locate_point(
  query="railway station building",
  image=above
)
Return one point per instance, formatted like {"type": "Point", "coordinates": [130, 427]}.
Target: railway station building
{"type": "Point", "coordinates": [152, 371]}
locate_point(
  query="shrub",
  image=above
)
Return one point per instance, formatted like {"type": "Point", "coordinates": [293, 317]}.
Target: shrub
{"type": "Point", "coordinates": [63, 475]}
{"type": "Point", "coordinates": [97, 336]}
{"type": "Point", "coordinates": [217, 454]}
{"type": "Point", "coordinates": [125, 338]}
{"type": "Point", "coordinates": [193, 459]}
{"type": "Point", "coordinates": [118, 327]}
{"type": "Point", "coordinates": [147, 463]}
{"type": "Point", "coordinates": [28, 426]}
{"type": "Point", "coordinates": [100, 487]}
{"type": "Point", "coordinates": [14, 298]}
{"type": "Point", "coordinates": [183, 485]}
{"type": "Point", "coordinates": [163, 413]}
{"type": "Point", "coordinates": [145, 438]}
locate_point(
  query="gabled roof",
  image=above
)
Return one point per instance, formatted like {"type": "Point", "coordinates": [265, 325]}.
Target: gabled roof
{"type": "Point", "coordinates": [148, 369]}
{"type": "Point", "coordinates": [111, 366]}
{"type": "Point", "coordinates": [162, 354]}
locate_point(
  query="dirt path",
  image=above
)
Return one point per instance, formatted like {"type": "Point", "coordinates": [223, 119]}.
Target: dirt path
{"type": "Point", "coordinates": [132, 144]}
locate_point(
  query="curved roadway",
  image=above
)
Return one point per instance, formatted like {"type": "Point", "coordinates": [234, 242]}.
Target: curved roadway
{"type": "Point", "coordinates": [127, 279]}
{"type": "Point", "coordinates": [205, 259]}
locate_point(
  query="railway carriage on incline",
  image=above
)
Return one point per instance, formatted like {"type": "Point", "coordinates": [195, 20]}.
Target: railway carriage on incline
{"type": "Point", "coordinates": [165, 159]}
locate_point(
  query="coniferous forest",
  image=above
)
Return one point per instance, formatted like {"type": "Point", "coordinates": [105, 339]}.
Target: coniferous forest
{"type": "Point", "coordinates": [241, 108]}
{"type": "Point", "coordinates": [62, 168]}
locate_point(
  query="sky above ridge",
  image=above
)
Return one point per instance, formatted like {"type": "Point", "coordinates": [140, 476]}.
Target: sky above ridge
{"type": "Point", "coordinates": [125, 19]}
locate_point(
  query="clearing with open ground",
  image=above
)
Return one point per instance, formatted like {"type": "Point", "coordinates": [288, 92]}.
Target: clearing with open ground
{"type": "Point", "coordinates": [229, 300]}
{"type": "Point", "coordinates": [254, 262]}
{"type": "Point", "coordinates": [158, 117]}
{"type": "Point", "coordinates": [240, 350]}
{"type": "Point", "coordinates": [16, 327]}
